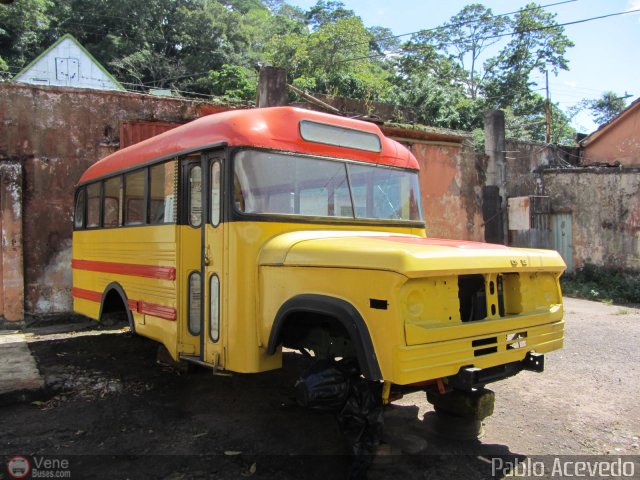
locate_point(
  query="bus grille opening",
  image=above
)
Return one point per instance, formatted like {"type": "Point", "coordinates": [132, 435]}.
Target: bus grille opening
{"type": "Point", "coordinates": [472, 295]}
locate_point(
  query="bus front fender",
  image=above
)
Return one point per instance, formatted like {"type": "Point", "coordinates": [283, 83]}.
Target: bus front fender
{"type": "Point", "coordinates": [340, 310]}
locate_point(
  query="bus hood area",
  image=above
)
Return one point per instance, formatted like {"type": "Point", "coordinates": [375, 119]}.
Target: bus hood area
{"type": "Point", "coordinates": [409, 255]}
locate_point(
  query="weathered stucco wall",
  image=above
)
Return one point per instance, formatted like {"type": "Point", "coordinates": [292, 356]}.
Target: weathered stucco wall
{"type": "Point", "coordinates": [525, 161]}
{"type": "Point", "coordinates": [605, 207]}
{"type": "Point", "coordinates": [55, 133]}
{"type": "Point", "coordinates": [451, 180]}
{"type": "Point", "coordinates": [618, 142]}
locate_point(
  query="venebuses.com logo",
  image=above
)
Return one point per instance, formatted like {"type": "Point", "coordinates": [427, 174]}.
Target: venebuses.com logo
{"type": "Point", "coordinates": [19, 466]}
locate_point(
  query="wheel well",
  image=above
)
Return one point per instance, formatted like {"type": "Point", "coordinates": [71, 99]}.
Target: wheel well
{"type": "Point", "coordinates": [114, 308]}
{"type": "Point", "coordinates": [330, 324]}
{"type": "Point", "coordinates": [113, 303]}
{"type": "Point", "coordinates": [325, 335]}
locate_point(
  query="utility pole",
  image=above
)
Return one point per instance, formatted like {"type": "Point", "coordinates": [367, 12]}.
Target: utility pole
{"type": "Point", "coordinates": [547, 112]}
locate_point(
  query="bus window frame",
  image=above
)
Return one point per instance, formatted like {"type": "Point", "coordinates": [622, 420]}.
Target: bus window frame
{"type": "Point", "coordinates": [146, 169]}
{"type": "Point", "coordinates": [188, 196]}
{"type": "Point", "coordinates": [191, 274]}
{"type": "Point", "coordinates": [99, 226]}
{"type": "Point", "coordinates": [216, 161]}
{"type": "Point", "coordinates": [215, 339]}
{"type": "Point", "coordinates": [121, 198]}
{"type": "Point", "coordinates": [145, 188]}
{"type": "Point", "coordinates": [236, 215]}
{"type": "Point", "coordinates": [80, 191]}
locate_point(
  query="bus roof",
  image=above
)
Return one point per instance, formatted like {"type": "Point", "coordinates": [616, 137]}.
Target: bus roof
{"type": "Point", "coordinates": [275, 128]}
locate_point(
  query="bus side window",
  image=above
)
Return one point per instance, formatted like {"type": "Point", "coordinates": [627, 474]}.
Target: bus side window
{"type": "Point", "coordinates": [112, 196]}
{"type": "Point", "coordinates": [134, 211]}
{"type": "Point", "coordinates": [215, 194]}
{"type": "Point", "coordinates": [195, 196]}
{"type": "Point", "coordinates": [162, 188]}
{"type": "Point", "coordinates": [78, 214]}
{"type": "Point", "coordinates": [93, 205]}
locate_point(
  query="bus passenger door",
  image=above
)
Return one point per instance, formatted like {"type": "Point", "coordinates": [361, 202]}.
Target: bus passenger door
{"type": "Point", "coordinates": [214, 264]}
{"type": "Point", "coordinates": [191, 311]}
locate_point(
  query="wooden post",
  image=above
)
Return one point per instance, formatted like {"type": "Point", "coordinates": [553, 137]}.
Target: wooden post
{"type": "Point", "coordinates": [272, 87]}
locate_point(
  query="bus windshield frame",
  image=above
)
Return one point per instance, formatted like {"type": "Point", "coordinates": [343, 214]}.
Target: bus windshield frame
{"type": "Point", "coordinates": [269, 183]}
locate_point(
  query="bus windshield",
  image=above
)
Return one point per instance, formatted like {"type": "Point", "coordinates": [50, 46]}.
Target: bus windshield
{"type": "Point", "coordinates": [288, 184]}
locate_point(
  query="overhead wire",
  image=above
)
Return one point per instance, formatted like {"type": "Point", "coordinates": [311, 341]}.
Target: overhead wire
{"type": "Point", "coordinates": [512, 33]}
{"type": "Point", "coordinates": [467, 22]}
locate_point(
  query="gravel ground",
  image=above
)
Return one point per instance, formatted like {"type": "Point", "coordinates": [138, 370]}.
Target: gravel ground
{"type": "Point", "coordinates": [114, 413]}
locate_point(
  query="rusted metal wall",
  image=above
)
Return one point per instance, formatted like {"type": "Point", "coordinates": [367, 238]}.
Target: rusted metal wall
{"type": "Point", "coordinates": [52, 134]}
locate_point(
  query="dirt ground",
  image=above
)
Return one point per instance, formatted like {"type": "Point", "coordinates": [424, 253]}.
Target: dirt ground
{"type": "Point", "coordinates": [113, 412]}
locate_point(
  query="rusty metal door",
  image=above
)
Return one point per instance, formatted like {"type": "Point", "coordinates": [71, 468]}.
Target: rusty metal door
{"type": "Point", "coordinates": [563, 237]}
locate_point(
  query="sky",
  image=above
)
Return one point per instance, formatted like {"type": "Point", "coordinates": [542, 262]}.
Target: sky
{"type": "Point", "coordinates": [606, 55]}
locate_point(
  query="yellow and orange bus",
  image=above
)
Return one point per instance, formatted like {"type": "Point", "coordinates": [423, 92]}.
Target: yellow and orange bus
{"type": "Point", "coordinates": [242, 232]}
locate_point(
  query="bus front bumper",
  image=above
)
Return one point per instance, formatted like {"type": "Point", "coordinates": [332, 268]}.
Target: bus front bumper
{"type": "Point", "coordinates": [467, 356]}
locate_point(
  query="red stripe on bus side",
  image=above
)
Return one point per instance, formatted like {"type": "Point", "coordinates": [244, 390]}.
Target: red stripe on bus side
{"type": "Point", "coordinates": [147, 271]}
{"type": "Point", "coordinates": [146, 308]}
{"type": "Point", "coordinates": [162, 311]}
{"type": "Point", "coordinates": [86, 294]}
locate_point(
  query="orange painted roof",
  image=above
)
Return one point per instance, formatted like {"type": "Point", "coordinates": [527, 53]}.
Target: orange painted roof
{"type": "Point", "coordinates": [276, 128]}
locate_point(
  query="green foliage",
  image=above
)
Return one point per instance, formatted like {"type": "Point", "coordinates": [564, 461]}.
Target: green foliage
{"type": "Point", "coordinates": [445, 75]}
{"type": "Point", "coordinates": [335, 57]}
{"type": "Point", "coordinates": [466, 36]}
{"type": "Point", "coordinates": [233, 82]}
{"type": "Point", "coordinates": [325, 12]}
{"type": "Point", "coordinates": [22, 27]}
{"type": "Point", "coordinates": [477, 137]}
{"type": "Point", "coordinates": [606, 108]}
{"type": "Point", "coordinates": [527, 121]}
{"type": "Point", "coordinates": [440, 77]}
{"type": "Point", "coordinates": [603, 284]}
{"type": "Point", "coordinates": [538, 44]}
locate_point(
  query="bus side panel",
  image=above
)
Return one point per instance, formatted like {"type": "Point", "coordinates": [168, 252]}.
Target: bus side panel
{"type": "Point", "coordinates": [142, 260]}
{"type": "Point", "coordinates": [248, 327]}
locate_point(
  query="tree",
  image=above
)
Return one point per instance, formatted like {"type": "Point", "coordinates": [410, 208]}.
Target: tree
{"type": "Point", "coordinates": [22, 26]}
{"type": "Point", "coordinates": [383, 40]}
{"type": "Point", "coordinates": [538, 43]}
{"type": "Point", "coordinates": [428, 82]}
{"type": "Point", "coordinates": [333, 59]}
{"type": "Point", "coordinates": [327, 11]}
{"type": "Point", "coordinates": [607, 107]}
{"type": "Point", "coordinates": [466, 36]}
{"type": "Point", "coordinates": [233, 82]}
